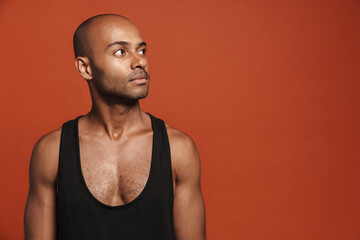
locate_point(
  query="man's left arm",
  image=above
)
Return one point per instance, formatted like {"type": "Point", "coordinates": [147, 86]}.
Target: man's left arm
{"type": "Point", "coordinates": [189, 207]}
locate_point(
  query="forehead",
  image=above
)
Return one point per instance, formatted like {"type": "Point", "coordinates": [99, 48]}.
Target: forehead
{"type": "Point", "coordinates": [106, 31]}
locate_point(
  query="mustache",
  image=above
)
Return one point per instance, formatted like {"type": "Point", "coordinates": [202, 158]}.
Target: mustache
{"type": "Point", "coordinates": [138, 73]}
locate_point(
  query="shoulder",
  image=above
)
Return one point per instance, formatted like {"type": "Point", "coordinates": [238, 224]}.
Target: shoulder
{"type": "Point", "coordinates": [48, 141]}
{"type": "Point", "coordinates": [44, 157]}
{"type": "Point", "coordinates": [48, 145]}
{"type": "Point", "coordinates": [180, 141]}
{"type": "Point", "coordinates": [184, 153]}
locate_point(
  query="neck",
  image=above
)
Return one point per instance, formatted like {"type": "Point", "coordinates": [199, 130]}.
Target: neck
{"type": "Point", "coordinates": [115, 120]}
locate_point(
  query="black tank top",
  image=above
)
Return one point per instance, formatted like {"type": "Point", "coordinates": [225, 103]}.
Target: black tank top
{"type": "Point", "coordinates": [81, 216]}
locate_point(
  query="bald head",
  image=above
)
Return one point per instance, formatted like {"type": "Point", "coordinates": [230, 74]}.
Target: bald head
{"type": "Point", "coordinates": [82, 35]}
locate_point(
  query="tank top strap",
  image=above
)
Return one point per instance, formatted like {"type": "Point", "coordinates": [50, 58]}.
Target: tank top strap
{"type": "Point", "coordinates": [68, 153]}
{"type": "Point", "coordinates": [162, 172]}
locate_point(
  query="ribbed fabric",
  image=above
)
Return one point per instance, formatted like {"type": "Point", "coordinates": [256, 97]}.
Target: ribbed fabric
{"type": "Point", "coordinates": [82, 216]}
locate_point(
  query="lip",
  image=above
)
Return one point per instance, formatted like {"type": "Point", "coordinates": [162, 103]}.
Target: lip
{"type": "Point", "coordinates": [141, 76]}
{"type": "Point", "coordinates": [142, 80]}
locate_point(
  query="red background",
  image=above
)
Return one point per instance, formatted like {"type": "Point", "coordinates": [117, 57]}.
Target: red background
{"type": "Point", "coordinates": [268, 90]}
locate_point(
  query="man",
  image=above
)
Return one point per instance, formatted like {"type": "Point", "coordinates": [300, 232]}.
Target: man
{"type": "Point", "coordinates": [116, 172]}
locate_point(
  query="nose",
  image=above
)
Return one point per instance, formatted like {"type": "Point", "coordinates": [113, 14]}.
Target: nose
{"type": "Point", "coordinates": [138, 62]}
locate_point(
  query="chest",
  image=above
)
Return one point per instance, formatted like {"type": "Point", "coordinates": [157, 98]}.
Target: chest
{"type": "Point", "coordinates": [116, 172]}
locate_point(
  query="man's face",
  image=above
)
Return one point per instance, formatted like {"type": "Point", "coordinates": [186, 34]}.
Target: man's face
{"type": "Point", "coordinates": [117, 60]}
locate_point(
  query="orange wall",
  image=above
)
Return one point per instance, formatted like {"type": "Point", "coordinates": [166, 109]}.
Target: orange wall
{"type": "Point", "coordinates": [268, 90]}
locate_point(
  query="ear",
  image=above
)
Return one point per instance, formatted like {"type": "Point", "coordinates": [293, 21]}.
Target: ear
{"type": "Point", "coordinates": [83, 67]}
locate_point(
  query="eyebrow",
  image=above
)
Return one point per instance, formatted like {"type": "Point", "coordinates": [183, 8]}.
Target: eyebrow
{"type": "Point", "coordinates": [141, 44]}
{"type": "Point", "coordinates": [124, 43]}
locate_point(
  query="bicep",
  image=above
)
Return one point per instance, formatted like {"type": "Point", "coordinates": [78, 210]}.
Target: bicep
{"type": "Point", "coordinates": [189, 213]}
{"type": "Point", "coordinates": [40, 213]}
{"type": "Point", "coordinates": [189, 209]}
{"type": "Point", "coordinates": [40, 209]}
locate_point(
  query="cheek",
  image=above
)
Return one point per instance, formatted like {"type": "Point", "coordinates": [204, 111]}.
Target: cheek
{"type": "Point", "coordinates": [112, 69]}
{"type": "Point", "coordinates": [115, 70]}
{"type": "Point", "coordinates": [117, 65]}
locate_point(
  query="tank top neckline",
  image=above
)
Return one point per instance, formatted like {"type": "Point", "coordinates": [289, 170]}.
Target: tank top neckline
{"type": "Point", "coordinates": [83, 182]}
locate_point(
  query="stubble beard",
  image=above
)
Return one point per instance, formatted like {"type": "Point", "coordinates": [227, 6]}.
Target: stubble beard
{"type": "Point", "coordinates": [114, 90]}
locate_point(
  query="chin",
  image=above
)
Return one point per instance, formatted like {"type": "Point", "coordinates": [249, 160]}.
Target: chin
{"type": "Point", "coordinates": [141, 96]}
{"type": "Point", "coordinates": [135, 95]}
{"type": "Point", "coordinates": [141, 93]}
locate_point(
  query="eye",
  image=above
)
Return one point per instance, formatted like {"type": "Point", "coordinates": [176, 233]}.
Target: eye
{"type": "Point", "coordinates": [142, 51]}
{"type": "Point", "coordinates": [119, 52]}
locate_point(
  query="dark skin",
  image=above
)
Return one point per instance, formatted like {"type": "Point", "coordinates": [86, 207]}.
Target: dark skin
{"type": "Point", "coordinates": [115, 138]}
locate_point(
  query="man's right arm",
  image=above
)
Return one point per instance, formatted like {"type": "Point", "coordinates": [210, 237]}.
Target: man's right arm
{"type": "Point", "coordinates": [40, 209]}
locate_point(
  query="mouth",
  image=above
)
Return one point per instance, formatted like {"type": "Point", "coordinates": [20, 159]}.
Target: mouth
{"type": "Point", "coordinates": [140, 79]}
